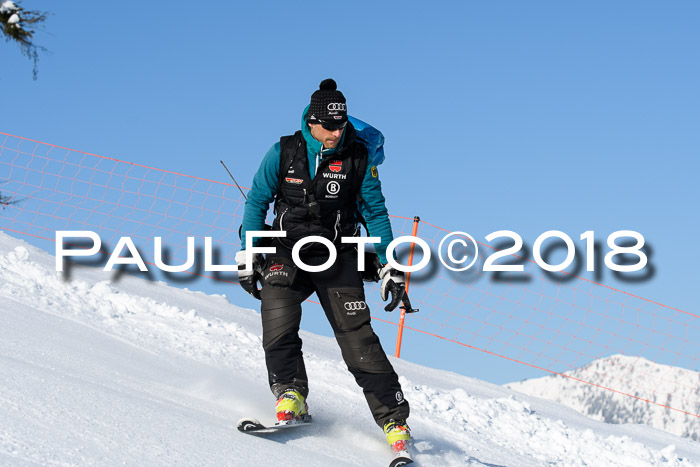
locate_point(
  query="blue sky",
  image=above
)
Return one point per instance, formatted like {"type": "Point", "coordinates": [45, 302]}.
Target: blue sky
{"type": "Point", "coordinates": [527, 116]}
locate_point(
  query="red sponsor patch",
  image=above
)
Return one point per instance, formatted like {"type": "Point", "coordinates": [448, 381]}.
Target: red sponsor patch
{"type": "Point", "coordinates": [276, 267]}
{"type": "Point", "coordinates": [335, 166]}
{"type": "Point", "coordinates": [296, 181]}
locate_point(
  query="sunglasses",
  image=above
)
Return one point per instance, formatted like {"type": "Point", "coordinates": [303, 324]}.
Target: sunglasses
{"type": "Point", "coordinates": [332, 126]}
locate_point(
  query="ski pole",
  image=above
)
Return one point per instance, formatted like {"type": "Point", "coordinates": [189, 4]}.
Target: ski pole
{"type": "Point", "coordinates": [234, 180]}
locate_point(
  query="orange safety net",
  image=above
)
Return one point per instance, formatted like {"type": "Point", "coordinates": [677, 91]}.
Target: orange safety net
{"type": "Point", "coordinates": [553, 324]}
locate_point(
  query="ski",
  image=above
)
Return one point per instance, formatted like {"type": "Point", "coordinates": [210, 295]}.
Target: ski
{"type": "Point", "coordinates": [254, 427]}
{"type": "Point", "coordinates": [401, 458]}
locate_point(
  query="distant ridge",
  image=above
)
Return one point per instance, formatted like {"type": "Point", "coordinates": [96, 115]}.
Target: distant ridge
{"type": "Point", "coordinates": [677, 387]}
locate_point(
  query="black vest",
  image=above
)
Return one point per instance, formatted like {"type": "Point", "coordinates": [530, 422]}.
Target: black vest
{"type": "Point", "coordinates": [324, 204]}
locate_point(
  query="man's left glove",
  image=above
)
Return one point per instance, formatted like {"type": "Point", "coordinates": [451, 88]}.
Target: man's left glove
{"type": "Point", "coordinates": [249, 278]}
{"type": "Point", "coordinates": [392, 283]}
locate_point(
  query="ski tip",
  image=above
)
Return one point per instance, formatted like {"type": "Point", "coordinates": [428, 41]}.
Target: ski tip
{"type": "Point", "coordinates": [253, 426]}
{"type": "Point", "coordinates": [401, 458]}
{"type": "Point", "coordinates": [249, 424]}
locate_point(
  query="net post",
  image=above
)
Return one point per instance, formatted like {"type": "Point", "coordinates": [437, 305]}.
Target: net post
{"type": "Point", "coordinates": [399, 336]}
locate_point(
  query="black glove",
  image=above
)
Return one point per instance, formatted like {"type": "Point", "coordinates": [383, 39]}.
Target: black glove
{"type": "Point", "coordinates": [392, 283]}
{"type": "Point", "coordinates": [249, 278]}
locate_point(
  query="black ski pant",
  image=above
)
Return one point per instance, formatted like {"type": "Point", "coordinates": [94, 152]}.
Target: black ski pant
{"type": "Point", "coordinates": [341, 293]}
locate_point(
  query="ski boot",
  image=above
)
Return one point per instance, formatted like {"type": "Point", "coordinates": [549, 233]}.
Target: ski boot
{"type": "Point", "coordinates": [291, 408]}
{"type": "Point", "coordinates": [397, 434]}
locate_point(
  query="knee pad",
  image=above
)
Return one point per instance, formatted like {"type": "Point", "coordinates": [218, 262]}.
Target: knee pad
{"type": "Point", "coordinates": [280, 318]}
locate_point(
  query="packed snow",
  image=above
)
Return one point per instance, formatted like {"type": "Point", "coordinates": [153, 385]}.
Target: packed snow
{"type": "Point", "coordinates": [676, 387]}
{"type": "Point", "coordinates": [104, 370]}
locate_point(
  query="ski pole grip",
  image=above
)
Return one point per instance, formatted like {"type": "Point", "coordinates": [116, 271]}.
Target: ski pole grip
{"type": "Point", "coordinates": [407, 305]}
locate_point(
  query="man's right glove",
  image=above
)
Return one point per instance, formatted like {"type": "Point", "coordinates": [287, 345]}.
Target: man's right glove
{"type": "Point", "coordinates": [392, 283]}
{"type": "Point", "coordinates": [248, 278]}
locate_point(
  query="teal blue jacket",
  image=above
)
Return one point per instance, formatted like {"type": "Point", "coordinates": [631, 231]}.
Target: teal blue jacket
{"type": "Point", "coordinates": [265, 182]}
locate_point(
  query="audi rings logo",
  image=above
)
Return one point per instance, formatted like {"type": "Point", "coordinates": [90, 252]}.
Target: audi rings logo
{"type": "Point", "coordinates": [355, 306]}
{"type": "Point", "coordinates": [336, 106]}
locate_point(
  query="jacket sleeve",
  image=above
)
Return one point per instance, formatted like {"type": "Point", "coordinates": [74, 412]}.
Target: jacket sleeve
{"type": "Point", "coordinates": [373, 209]}
{"type": "Point", "coordinates": [261, 194]}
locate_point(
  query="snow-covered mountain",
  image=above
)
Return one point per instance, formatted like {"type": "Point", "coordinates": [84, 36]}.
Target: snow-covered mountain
{"type": "Point", "coordinates": [102, 372]}
{"type": "Point", "coordinates": [674, 387]}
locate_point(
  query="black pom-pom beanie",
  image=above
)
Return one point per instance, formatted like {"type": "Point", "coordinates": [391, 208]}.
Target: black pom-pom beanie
{"type": "Point", "coordinates": [328, 105]}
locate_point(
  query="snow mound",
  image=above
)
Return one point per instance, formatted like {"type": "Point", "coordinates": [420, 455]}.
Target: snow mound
{"type": "Point", "coordinates": [104, 371]}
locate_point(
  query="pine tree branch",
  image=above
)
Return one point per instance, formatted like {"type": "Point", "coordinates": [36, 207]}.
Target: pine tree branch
{"type": "Point", "coordinates": [19, 25]}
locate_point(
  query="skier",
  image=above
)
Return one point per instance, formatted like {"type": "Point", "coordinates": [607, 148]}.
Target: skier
{"type": "Point", "coordinates": [322, 184]}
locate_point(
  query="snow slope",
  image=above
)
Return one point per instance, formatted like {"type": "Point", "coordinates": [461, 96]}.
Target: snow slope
{"type": "Point", "coordinates": [103, 372]}
{"type": "Point", "coordinates": [675, 387]}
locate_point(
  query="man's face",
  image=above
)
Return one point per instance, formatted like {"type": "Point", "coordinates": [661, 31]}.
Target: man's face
{"type": "Point", "coordinates": [329, 138]}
